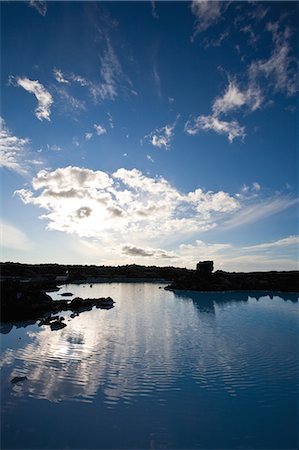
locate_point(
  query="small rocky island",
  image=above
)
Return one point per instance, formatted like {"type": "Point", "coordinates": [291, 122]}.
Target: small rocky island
{"type": "Point", "coordinates": [204, 279]}
{"type": "Point", "coordinates": [28, 301]}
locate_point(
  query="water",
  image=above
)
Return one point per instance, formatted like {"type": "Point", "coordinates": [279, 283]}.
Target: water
{"type": "Point", "coordinates": [159, 370]}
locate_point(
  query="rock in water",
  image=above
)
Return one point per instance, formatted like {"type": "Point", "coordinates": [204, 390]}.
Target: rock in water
{"type": "Point", "coordinates": [18, 379]}
{"type": "Point", "coordinates": [57, 325]}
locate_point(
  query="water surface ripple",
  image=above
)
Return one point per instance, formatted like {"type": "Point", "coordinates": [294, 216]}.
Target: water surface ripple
{"type": "Point", "coordinates": [160, 370]}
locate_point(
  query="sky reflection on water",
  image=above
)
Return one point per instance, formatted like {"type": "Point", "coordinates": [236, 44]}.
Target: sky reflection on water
{"type": "Point", "coordinates": [173, 363]}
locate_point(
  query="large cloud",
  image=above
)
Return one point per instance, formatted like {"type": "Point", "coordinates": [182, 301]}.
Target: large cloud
{"type": "Point", "coordinates": [126, 207]}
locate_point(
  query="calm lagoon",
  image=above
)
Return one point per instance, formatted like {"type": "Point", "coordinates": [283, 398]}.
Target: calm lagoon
{"type": "Point", "coordinates": [159, 370]}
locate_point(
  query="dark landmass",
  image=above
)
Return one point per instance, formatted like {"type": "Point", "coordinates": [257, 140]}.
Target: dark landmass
{"type": "Point", "coordinates": [204, 279]}
{"type": "Point", "coordinates": [46, 277]}
{"type": "Point", "coordinates": [27, 301]}
{"type": "Point", "coordinates": [47, 274]}
{"type": "Point", "coordinates": [23, 286]}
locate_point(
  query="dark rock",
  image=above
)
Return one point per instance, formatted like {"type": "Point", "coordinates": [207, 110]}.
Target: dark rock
{"type": "Point", "coordinates": [57, 325]}
{"type": "Point", "coordinates": [18, 379]}
{"type": "Point", "coordinates": [66, 294]}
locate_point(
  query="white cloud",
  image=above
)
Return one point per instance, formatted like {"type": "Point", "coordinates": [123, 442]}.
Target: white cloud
{"type": "Point", "coordinates": [12, 150]}
{"type": "Point", "coordinates": [136, 216]}
{"type": "Point", "coordinates": [162, 137]}
{"type": "Point", "coordinates": [54, 148]}
{"type": "Point", "coordinates": [207, 13]}
{"type": "Point", "coordinates": [44, 98]}
{"type": "Point", "coordinates": [59, 76]}
{"type": "Point", "coordinates": [232, 129]}
{"type": "Point", "coordinates": [280, 70]}
{"type": "Point", "coordinates": [12, 237]}
{"type": "Point", "coordinates": [278, 73]}
{"type": "Point", "coordinates": [88, 136]}
{"type": "Point", "coordinates": [78, 79]}
{"type": "Point", "coordinates": [292, 241]}
{"type": "Point", "coordinates": [234, 98]}
{"type": "Point", "coordinates": [40, 6]}
{"type": "Point", "coordinates": [100, 129]}
{"type": "Point", "coordinates": [126, 206]}
{"type": "Point", "coordinates": [150, 158]}
{"type": "Point", "coordinates": [256, 186]}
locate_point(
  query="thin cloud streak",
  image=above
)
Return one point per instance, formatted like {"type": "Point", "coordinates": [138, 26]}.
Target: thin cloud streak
{"type": "Point", "coordinates": [12, 150]}
{"type": "Point", "coordinates": [258, 211]}
{"type": "Point", "coordinates": [43, 97]}
{"type": "Point", "coordinates": [40, 6]}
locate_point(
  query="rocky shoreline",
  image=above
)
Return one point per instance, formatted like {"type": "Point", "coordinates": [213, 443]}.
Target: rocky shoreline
{"type": "Point", "coordinates": [24, 299]}
{"type": "Point", "coordinates": [23, 302]}
{"type": "Point", "coordinates": [203, 279]}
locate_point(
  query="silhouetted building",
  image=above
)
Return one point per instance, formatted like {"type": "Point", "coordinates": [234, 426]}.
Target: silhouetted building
{"type": "Point", "coordinates": [205, 267]}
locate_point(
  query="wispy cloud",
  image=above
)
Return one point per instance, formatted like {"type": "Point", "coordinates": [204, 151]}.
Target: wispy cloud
{"type": "Point", "coordinates": [208, 42]}
{"type": "Point", "coordinates": [12, 237]}
{"type": "Point", "coordinates": [232, 129]}
{"type": "Point", "coordinates": [88, 136]}
{"type": "Point", "coordinates": [157, 80]}
{"type": "Point", "coordinates": [292, 241]}
{"type": "Point", "coordinates": [59, 76]}
{"type": "Point", "coordinates": [207, 13]}
{"type": "Point", "coordinates": [44, 98]}
{"type": "Point", "coordinates": [100, 129]}
{"type": "Point", "coordinates": [278, 255]}
{"type": "Point", "coordinates": [259, 210]}
{"type": "Point", "coordinates": [12, 150]}
{"type": "Point", "coordinates": [281, 69]}
{"type": "Point", "coordinates": [232, 99]}
{"type": "Point", "coordinates": [54, 148]}
{"type": "Point", "coordinates": [40, 6]}
{"type": "Point", "coordinates": [113, 79]}
{"type": "Point", "coordinates": [79, 79]}
{"type": "Point", "coordinates": [68, 103]}
{"type": "Point", "coordinates": [110, 120]}
{"type": "Point", "coordinates": [154, 10]}
{"type": "Point", "coordinates": [162, 137]}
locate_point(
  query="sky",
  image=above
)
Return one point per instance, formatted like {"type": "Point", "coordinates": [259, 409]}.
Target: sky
{"type": "Point", "coordinates": [154, 133]}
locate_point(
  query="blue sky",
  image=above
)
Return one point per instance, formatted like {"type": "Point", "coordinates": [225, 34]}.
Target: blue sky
{"type": "Point", "coordinates": [150, 132]}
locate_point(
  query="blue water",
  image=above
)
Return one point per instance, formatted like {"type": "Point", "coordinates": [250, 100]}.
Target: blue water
{"type": "Point", "coordinates": [159, 370]}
